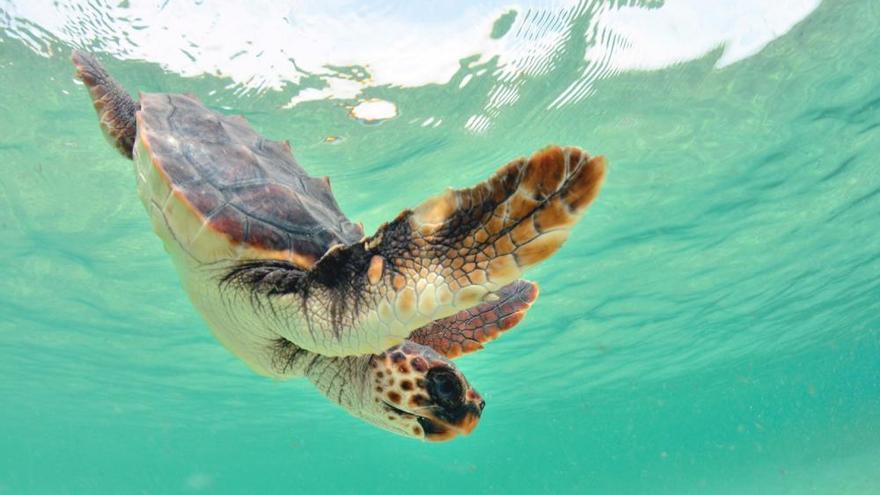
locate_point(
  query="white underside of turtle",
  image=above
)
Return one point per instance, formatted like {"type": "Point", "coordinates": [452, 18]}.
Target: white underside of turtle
{"type": "Point", "coordinates": [293, 288]}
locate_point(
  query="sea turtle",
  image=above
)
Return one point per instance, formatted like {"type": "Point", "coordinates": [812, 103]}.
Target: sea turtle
{"type": "Point", "coordinates": [293, 288]}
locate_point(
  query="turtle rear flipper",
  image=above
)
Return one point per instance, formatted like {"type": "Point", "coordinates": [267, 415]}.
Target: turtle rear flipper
{"type": "Point", "coordinates": [116, 109]}
{"type": "Point", "coordinates": [467, 331]}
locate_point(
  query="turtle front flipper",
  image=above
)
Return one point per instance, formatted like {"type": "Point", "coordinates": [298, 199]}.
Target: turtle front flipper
{"type": "Point", "coordinates": [453, 251]}
{"type": "Point", "coordinates": [447, 255]}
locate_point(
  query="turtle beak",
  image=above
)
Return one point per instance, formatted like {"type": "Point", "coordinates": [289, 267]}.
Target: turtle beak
{"type": "Point", "coordinates": [460, 421]}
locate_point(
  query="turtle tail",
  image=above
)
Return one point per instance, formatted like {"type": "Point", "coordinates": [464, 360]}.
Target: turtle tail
{"type": "Point", "coordinates": [116, 109]}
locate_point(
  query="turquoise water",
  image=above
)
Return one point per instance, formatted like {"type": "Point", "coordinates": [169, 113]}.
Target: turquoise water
{"type": "Point", "coordinates": [711, 326]}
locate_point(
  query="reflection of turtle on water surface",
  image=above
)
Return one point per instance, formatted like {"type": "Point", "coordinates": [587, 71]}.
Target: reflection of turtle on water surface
{"type": "Point", "coordinates": [293, 288]}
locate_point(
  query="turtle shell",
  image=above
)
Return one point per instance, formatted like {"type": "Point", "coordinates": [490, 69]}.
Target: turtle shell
{"type": "Point", "coordinates": [224, 191]}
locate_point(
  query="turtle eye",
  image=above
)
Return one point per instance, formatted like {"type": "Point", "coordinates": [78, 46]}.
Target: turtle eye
{"type": "Point", "coordinates": [445, 387]}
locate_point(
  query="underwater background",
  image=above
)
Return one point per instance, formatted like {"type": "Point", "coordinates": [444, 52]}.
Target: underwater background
{"type": "Point", "coordinates": [711, 326]}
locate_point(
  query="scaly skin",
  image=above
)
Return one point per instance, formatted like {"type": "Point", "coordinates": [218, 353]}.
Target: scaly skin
{"type": "Point", "coordinates": [409, 389]}
{"type": "Point", "coordinates": [467, 331]}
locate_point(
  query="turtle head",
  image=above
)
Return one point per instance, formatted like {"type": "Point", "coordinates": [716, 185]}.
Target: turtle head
{"type": "Point", "coordinates": [418, 393]}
